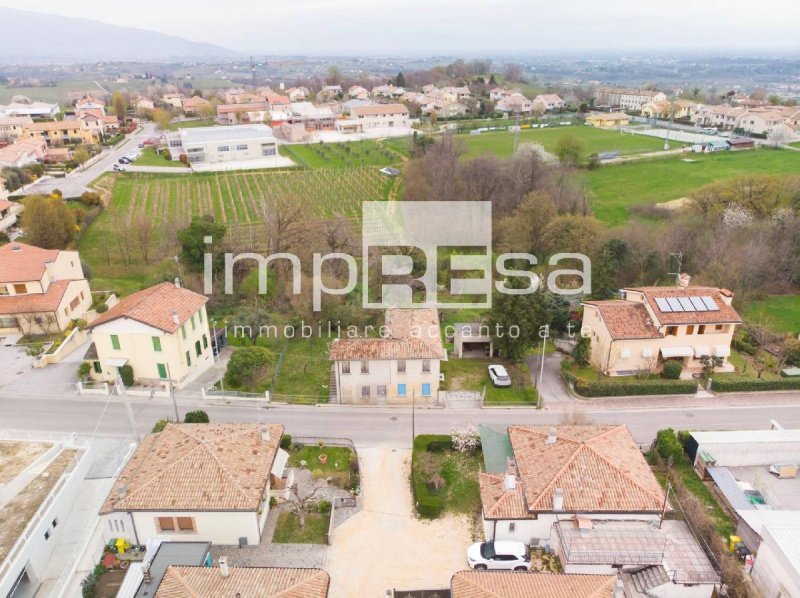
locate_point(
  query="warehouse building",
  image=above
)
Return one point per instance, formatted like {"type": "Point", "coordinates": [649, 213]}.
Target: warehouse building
{"type": "Point", "coordinates": [211, 145]}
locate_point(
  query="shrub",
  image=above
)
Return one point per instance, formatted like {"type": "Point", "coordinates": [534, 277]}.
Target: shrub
{"type": "Point", "coordinates": [84, 369]}
{"type": "Point", "coordinates": [91, 198]}
{"type": "Point", "coordinates": [728, 383]}
{"type": "Point", "coordinates": [582, 352]}
{"type": "Point", "coordinates": [272, 502]}
{"type": "Point", "coordinates": [286, 441]}
{"type": "Point", "coordinates": [35, 349]}
{"type": "Point", "coordinates": [166, 155]}
{"type": "Point", "coordinates": [324, 506]}
{"type": "Point", "coordinates": [102, 308]}
{"type": "Point", "coordinates": [160, 425]}
{"type": "Point", "coordinates": [668, 445]}
{"type": "Point", "coordinates": [672, 370]}
{"type": "Point", "coordinates": [317, 473]}
{"type": "Point", "coordinates": [196, 417]}
{"type": "Point", "coordinates": [126, 373]}
{"type": "Point", "coordinates": [621, 387]}
{"type": "Point", "coordinates": [465, 439]}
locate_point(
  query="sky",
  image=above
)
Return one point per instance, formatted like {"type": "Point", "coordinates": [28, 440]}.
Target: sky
{"type": "Point", "coordinates": [465, 27]}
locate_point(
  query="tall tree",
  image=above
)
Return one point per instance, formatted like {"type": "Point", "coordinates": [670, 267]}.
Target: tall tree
{"type": "Point", "coordinates": [193, 245]}
{"type": "Point", "coordinates": [120, 105]}
{"type": "Point", "coordinates": [570, 150]}
{"type": "Point", "coordinates": [48, 222]}
{"type": "Point", "coordinates": [400, 81]}
{"type": "Point", "coordinates": [162, 118]}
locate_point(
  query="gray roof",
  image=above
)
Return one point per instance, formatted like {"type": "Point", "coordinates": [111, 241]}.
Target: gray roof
{"type": "Point", "coordinates": [223, 134]}
{"type": "Point", "coordinates": [730, 489]}
{"type": "Point", "coordinates": [172, 553]}
{"type": "Point", "coordinates": [496, 448]}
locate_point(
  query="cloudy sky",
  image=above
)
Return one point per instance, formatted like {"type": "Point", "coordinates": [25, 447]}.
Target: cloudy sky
{"type": "Point", "coordinates": [470, 27]}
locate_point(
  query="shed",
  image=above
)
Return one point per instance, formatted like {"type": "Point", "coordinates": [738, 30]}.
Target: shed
{"type": "Point", "coordinates": [742, 448]}
{"type": "Point", "coordinates": [752, 523]}
{"type": "Point", "coordinates": [472, 340]}
{"type": "Point", "coordinates": [740, 143]}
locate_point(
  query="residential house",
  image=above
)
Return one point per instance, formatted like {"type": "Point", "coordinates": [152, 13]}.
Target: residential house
{"type": "Point", "coordinates": [400, 367]}
{"type": "Point", "coordinates": [313, 118]}
{"type": "Point", "coordinates": [161, 332]}
{"type": "Point", "coordinates": [193, 105]}
{"type": "Point", "coordinates": [374, 116]}
{"type": "Point", "coordinates": [513, 584]}
{"type": "Point", "coordinates": [651, 326]}
{"type": "Point", "coordinates": [141, 104]}
{"type": "Point", "coordinates": [514, 103]}
{"type": "Point", "coordinates": [173, 99]}
{"type": "Point", "coordinates": [66, 132]}
{"type": "Point", "coordinates": [8, 211]}
{"type": "Point", "coordinates": [550, 101]}
{"type": "Point", "coordinates": [358, 92]}
{"type": "Point", "coordinates": [458, 93]}
{"type": "Point", "coordinates": [297, 94]}
{"type": "Point", "coordinates": [626, 98]}
{"type": "Point", "coordinates": [98, 123]}
{"type": "Point", "coordinates": [89, 104]}
{"type": "Point", "coordinates": [32, 110]}
{"type": "Point", "coordinates": [330, 92]}
{"type": "Point", "coordinates": [276, 101]}
{"type": "Point", "coordinates": [203, 482]}
{"type": "Point", "coordinates": [18, 155]}
{"type": "Point", "coordinates": [211, 145]}
{"type": "Point", "coordinates": [347, 107]}
{"type": "Point", "coordinates": [57, 155]}
{"type": "Point", "coordinates": [498, 93]}
{"type": "Point", "coordinates": [252, 582]}
{"type": "Point", "coordinates": [387, 91]}
{"type": "Point", "coordinates": [234, 114]}
{"type": "Point", "coordinates": [763, 121]}
{"type": "Point", "coordinates": [607, 120]}
{"type": "Point", "coordinates": [677, 109]}
{"type": "Point", "coordinates": [41, 290]}
{"type": "Point", "coordinates": [12, 127]}
{"type": "Point", "coordinates": [449, 109]}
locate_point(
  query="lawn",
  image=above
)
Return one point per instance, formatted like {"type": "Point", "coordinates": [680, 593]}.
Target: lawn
{"type": "Point", "coordinates": [473, 374]}
{"type": "Point", "coordinates": [288, 529]}
{"type": "Point", "coordinates": [190, 124]}
{"type": "Point", "coordinates": [779, 313]}
{"type": "Point", "coordinates": [446, 476]}
{"type": "Point", "coordinates": [614, 189]}
{"type": "Point", "coordinates": [343, 155]}
{"type": "Point", "coordinates": [337, 467]}
{"type": "Point", "coordinates": [596, 140]}
{"type": "Point", "coordinates": [59, 93]}
{"type": "Point", "coordinates": [149, 157]}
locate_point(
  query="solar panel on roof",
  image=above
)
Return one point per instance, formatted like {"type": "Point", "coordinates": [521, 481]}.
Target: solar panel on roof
{"type": "Point", "coordinates": [710, 303]}
{"type": "Point", "coordinates": [663, 305]}
{"type": "Point", "coordinates": [698, 304]}
{"type": "Point", "coordinates": [686, 304]}
{"type": "Point", "coordinates": [675, 304]}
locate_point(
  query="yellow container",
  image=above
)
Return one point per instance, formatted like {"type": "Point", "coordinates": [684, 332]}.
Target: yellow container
{"type": "Point", "coordinates": [734, 541]}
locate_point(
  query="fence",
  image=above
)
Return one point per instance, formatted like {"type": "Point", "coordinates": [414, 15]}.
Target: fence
{"type": "Point", "coordinates": [212, 393]}
{"type": "Point", "coordinates": [75, 339]}
{"type": "Point", "coordinates": [93, 388]}
{"type": "Point", "coordinates": [326, 440]}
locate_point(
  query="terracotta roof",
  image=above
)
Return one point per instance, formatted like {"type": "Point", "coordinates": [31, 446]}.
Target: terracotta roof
{"type": "Point", "coordinates": [35, 302]}
{"type": "Point", "coordinates": [378, 109]}
{"type": "Point", "coordinates": [598, 468]}
{"type": "Point", "coordinates": [626, 319]}
{"type": "Point", "coordinates": [4, 203]}
{"type": "Point", "coordinates": [197, 467]}
{"type": "Point", "coordinates": [248, 107]}
{"type": "Point", "coordinates": [249, 582]}
{"type": "Point", "coordinates": [499, 503]}
{"type": "Point", "coordinates": [725, 314]}
{"type": "Point", "coordinates": [515, 584]}
{"type": "Point", "coordinates": [195, 101]}
{"type": "Point", "coordinates": [53, 126]}
{"type": "Point", "coordinates": [155, 307]}
{"type": "Point", "coordinates": [21, 263]}
{"type": "Point", "coordinates": [110, 119]}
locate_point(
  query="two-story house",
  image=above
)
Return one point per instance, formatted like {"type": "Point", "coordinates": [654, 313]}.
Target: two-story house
{"type": "Point", "coordinates": [550, 101]}
{"type": "Point", "coordinates": [399, 367]}
{"type": "Point", "coordinates": [66, 132]}
{"type": "Point", "coordinates": [41, 290]}
{"type": "Point", "coordinates": [8, 210]}
{"type": "Point", "coordinates": [161, 332]}
{"type": "Point", "coordinates": [654, 325]}
{"type": "Point", "coordinates": [197, 482]}
{"type": "Point", "coordinates": [12, 127]}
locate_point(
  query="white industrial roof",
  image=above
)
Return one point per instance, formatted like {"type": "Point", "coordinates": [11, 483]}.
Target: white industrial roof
{"type": "Point", "coordinates": [222, 134]}
{"type": "Point", "coordinates": [771, 518]}
{"type": "Point", "coordinates": [746, 436]}
{"type": "Point", "coordinates": [787, 539]}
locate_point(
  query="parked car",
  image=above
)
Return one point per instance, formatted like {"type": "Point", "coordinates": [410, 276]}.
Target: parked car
{"type": "Point", "coordinates": [124, 160]}
{"type": "Point", "coordinates": [499, 376]}
{"type": "Point", "coordinates": [506, 556]}
{"type": "Point", "coordinates": [141, 144]}
{"type": "Point", "coordinates": [119, 168]}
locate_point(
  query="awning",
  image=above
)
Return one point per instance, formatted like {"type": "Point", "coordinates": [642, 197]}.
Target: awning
{"type": "Point", "coordinates": [115, 363]}
{"type": "Point", "coordinates": [722, 350]}
{"type": "Point", "coordinates": [668, 352]}
{"type": "Point", "coordinates": [701, 351]}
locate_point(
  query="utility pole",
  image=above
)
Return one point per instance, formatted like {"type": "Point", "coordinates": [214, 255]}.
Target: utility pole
{"type": "Point", "coordinates": [664, 507]}
{"type": "Point", "coordinates": [128, 408]}
{"type": "Point", "coordinates": [413, 416]}
{"type": "Point", "coordinates": [541, 361]}
{"type": "Point", "coordinates": [172, 395]}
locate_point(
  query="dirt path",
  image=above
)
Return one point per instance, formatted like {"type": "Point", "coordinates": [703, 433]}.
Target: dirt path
{"type": "Point", "coordinates": [384, 546]}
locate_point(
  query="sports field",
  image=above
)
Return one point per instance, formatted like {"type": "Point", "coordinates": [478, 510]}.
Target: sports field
{"type": "Point", "coordinates": [614, 189]}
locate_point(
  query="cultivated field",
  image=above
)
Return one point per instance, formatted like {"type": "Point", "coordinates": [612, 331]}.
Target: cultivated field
{"type": "Point", "coordinates": [343, 155]}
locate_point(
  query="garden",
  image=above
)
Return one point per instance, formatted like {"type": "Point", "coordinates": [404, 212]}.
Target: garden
{"type": "Point", "coordinates": [473, 374]}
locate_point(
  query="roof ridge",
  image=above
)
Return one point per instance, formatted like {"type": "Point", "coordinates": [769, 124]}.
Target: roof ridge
{"type": "Point", "coordinates": [181, 580]}
{"type": "Point", "coordinates": [318, 573]}
{"type": "Point", "coordinates": [626, 476]}
{"type": "Point", "coordinates": [480, 587]}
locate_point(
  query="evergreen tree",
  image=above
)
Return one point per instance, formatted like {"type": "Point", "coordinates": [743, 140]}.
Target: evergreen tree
{"type": "Point", "coordinates": [400, 81]}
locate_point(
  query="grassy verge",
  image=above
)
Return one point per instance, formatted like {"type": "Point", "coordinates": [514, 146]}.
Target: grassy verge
{"type": "Point", "coordinates": [473, 374]}
{"type": "Point", "coordinates": [288, 530]}
{"type": "Point", "coordinates": [149, 157]}
{"type": "Point", "coordinates": [444, 480]}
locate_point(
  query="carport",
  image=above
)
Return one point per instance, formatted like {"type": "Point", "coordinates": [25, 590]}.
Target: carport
{"type": "Point", "coordinates": [472, 340]}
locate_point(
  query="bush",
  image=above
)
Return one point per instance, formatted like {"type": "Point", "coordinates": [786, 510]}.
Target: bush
{"type": "Point", "coordinates": [84, 369]}
{"type": "Point", "coordinates": [324, 506]}
{"type": "Point", "coordinates": [672, 370]}
{"type": "Point", "coordinates": [166, 155]}
{"type": "Point", "coordinates": [668, 445]}
{"type": "Point", "coordinates": [728, 383]}
{"type": "Point", "coordinates": [91, 198]}
{"type": "Point", "coordinates": [160, 425]}
{"type": "Point", "coordinates": [196, 417]}
{"type": "Point", "coordinates": [286, 441]}
{"type": "Point", "coordinates": [102, 308]}
{"type": "Point", "coordinates": [582, 352]}
{"type": "Point", "coordinates": [273, 502]}
{"type": "Point", "coordinates": [126, 373]}
{"type": "Point", "coordinates": [35, 349]}
{"type": "Point", "coordinates": [621, 387]}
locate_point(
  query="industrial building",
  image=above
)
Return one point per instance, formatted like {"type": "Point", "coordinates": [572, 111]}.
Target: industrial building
{"type": "Point", "coordinates": [210, 145]}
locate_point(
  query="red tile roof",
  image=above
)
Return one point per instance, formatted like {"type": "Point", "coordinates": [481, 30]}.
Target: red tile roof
{"type": "Point", "coordinates": [626, 319]}
{"type": "Point", "coordinates": [598, 468]}
{"type": "Point", "coordinates": [155, 307]}
{"type": "Point", "coordinates": [519, 584]}
{"type": "Point", "coordinates": [22, 263]}
{"type": "Point", "coordinates": [197, 467]}
{"type": "Point", "coordinates": [31, 303]}
{"type": "Point", "coordinates": [499, 503]}
{"type": "Point", "coordinates": [249, 582]}
{"type": "Point", "coordinates": [379, 109]}
{"type": "Point", "coordinates": [726, 314]}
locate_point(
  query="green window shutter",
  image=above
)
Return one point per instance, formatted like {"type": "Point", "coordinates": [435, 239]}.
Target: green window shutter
{"type": "Point", "coordinates": [193, 324]}
{"type": "Point", "coordinates": [115, 342]}
{"type": "Point", "coordinates": [162, 371]}
{"type": "Point", "coordinates": [156, 344]}
{"type": "Point", "coordinates": [197, 348]}
{"type": "Point", "coordinates": [188, 359]}
{"type": "Point", "coordinates": [205, 342]}
{"type": "Point", "coordinates": [200, 315]}
{"type": "Point", "coordinates": [183, 331]}
{"type": "Point", "coordinates": [97, 367]}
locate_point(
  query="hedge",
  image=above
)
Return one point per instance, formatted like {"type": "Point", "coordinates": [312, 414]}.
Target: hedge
{"type": "Point", "coordinates": [428, 505]}
{"type": "Point", "coordinates": [728, 383]}
{"type": "Point", "coordinates": [622, 387]}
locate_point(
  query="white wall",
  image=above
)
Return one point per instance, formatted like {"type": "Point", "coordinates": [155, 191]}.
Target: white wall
{"type": "Point", "coordinates": [384, 372]}
{"type": "Point", "coordinates": [218, 527]}
{"type": "Point", "coordinates": [770, 574]}
{"type": "Point", "coordinates": [740, 454]}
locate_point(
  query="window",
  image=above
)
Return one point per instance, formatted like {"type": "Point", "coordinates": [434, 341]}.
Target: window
{"type": "Point", "coordinates": [4, 290]}
{"type": "Point", "coordinates": [162, 371]}
{"type": "Point", "coordinates": [166, 524]}
{"type": "Point", "coordinates": [20, 289]}
{"type": "Point", "coordinates": [512, 526]}
{"type": "Point", "coordinates": [401, 390]}
{"type": "Point", "coordinates": [188, 359]}
{"type": "Point", "coordinates": [382, 391]}
{"type": "Point", "coordinates": [205, 342]}
{"type": "Point", "coordinates": [401, 366]}
{"type": "Point", "coordinates": [55, 522]}
{"type": "Point", "coordinates": [74, 303]}
{"type": "Point", "coordinates": [241, 147]}
{"type": "Point", "coordinates": [365, 367]}
{"type": "Point", "coordinates": [185, 524]}
{"type": "Point", "coordinates": [47, 535]}
{"type": "Point", "coordinates": [672, 331]}
{"type": "Point", "coordinates": [719, 327]}
{"type": "Point", "coordinates": [690, 329]}
{"type": "Point", "coordinates": [345, 367]}
{"type": "Point", "coordinates": [701, 329]}
{"type": "Point", "coordinates": [426, 366]}
{"type": "Point", "coordinates": [183, 331]}
{"type": "Point", "coordinates": [223, 148]}
{"type": "Point", "coordinates": [97, 367]}
{"type": "Point", "coordinates": [156, 344]}
{"type": "Point", "coordinates": [426, 390]}
{"type": "Point", "coordinates": [197, 348]}
{"type": "Point", "coordinates": [115, 342]}
{"type": "Point", "coordinates": [364, 392]}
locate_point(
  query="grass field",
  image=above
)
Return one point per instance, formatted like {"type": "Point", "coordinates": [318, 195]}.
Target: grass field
{"type": "Point", "coordinates": [473, 374]}
{"type": "Point", "coordinates": [288, 530]}
{"type": "Point", "coordinates": [596, 140]}
{"type": "Point", "coordinates": [149, 157]}
{"type": "Point", "coordinates": [779, 313]}
{"type": "Point", "coordinates": [343, 155]}
{"type": "Point", "coordinates": [614, 189]}
{"type": "Point", "coordinates": [59, 93]}
{"type": "Point", "coordinates": [191, 124]}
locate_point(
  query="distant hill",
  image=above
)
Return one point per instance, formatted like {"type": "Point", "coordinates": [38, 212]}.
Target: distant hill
{"type": "Point", "coordinates": [37, 37]}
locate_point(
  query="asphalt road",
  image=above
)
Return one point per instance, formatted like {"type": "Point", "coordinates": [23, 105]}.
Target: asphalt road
{"type": "Point", "coordinates": [366, 426]}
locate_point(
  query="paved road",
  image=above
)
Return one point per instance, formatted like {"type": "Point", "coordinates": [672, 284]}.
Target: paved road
{"type": "Point", "coordinates": [552, 390]}
{"type": "Point", "coordinates": [78, 180]}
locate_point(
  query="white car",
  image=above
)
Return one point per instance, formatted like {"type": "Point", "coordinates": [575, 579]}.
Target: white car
{"type": "Point", "coordinates": [506, 556]}
{"type": "Point", "coordinates": [499, 376]}
{"type": "Point", "coordinates": [119, 168]}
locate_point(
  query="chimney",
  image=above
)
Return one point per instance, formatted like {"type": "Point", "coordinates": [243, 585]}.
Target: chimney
{"type": "Point", "coordinates": [122, 491]}
{"type": "Point", "coordinates": [146, 572]}
{"type": "Point", "coordinates": [223, 566]}
{"type": "Point", "coordinates": [552, 436]}
{"type": "Point", "coordinates": [175, 318]}
{"type": "Point", "coordinates": [683, 280]}
{"type": "Point", "coordinates": [619, 589]}
{"type": "Point", "coordinates": [558, 499]}
{"type": "Point", "coordinates": [16, 248]}
{"type": "Point", "coordinates": [264, 433]}
{"type": "Point", "coordinates": [177, 282]}
{"type": "Point", "coordinates": [510, 481]}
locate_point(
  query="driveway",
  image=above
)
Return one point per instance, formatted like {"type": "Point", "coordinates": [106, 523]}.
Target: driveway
{"type": "Point", "coordinates": [19, 376]}
{"type": "Point", "coordinates": [552, 390]}
{"type": "Point", "coordinates": [384, 546]}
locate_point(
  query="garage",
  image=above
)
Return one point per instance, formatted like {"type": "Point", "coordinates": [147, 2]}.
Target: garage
{"type": "Point", "coordinates": [472, 340]}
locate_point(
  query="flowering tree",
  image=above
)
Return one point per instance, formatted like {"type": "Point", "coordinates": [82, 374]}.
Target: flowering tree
{"type": "Point", "coordinates": [465, 438]}
{"type": "Point", "coordinates": [736, 216]}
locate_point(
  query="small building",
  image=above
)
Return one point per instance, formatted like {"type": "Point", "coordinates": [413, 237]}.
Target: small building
{"type": "Point", "coordinates": [609, 120]}
{"type": "Point", "coordinates": [741, 143]}
{"type": "Point", "coordinates": [212, 145]}
{"type": "Point", "coordinates": [472, 340]}
{"type": "Point", "coordinates": [776, 571]}
{"type": "Point", "coordinates": [374, 116]}
{"type": "Point", "coordinates": [710, 147]}
{"type": "Point", "coordinates": [12, 127]}
{"type": "Point", "coordinates": [550, 101]}
{"type": "Point", "coordinates": [250, 112]}
{"type": "Point", "coordinates": [194, 104]}
{"type": "Point", "coordinates": [744, 448]}
{"type": "Point", "coordinates": [158, 557]}
{"type": "Point", "coordinates": [313, 118]}
{"type": "Point", "coordinates": [400, 367]}
{"type": "Point", "coordinates": [209, 482]}
{"type": "Point", "coordinates": [41, 290]}
{"type": "Point", "coordinates": [161, 332]}
{"type": "Point", "coordinates": [32, 110]}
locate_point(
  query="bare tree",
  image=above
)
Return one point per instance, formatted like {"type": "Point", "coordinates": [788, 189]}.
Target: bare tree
{"type": "Point", "coordinates": [144, 236]}
{"type": "Point", "coordinates": [303, 505]}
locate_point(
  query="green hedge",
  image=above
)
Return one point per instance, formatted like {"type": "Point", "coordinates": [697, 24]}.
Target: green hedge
{"type": "Point", "coordinates": [727, 383]}
{"type": "Point", "coordinates": [623, 386]}
{"type": "Point", "coordinates": [428, 505]}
